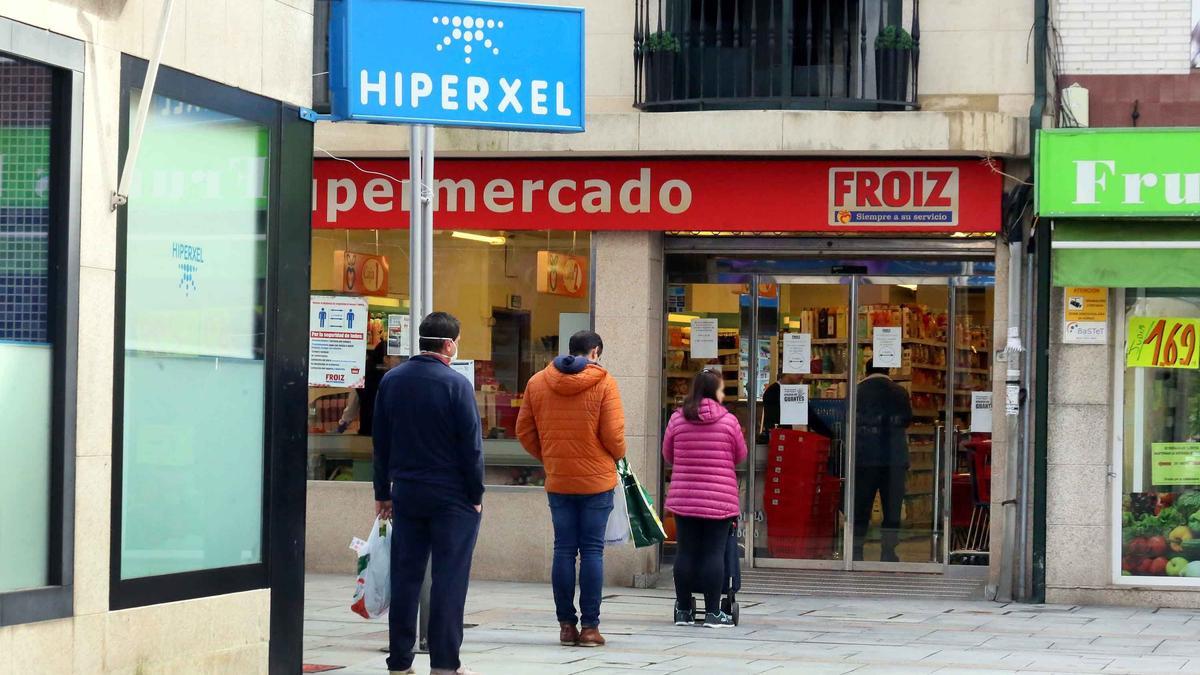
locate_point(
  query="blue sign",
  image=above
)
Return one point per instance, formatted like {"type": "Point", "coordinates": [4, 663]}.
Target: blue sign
{"type": "Point", "coordinates": [457, 63]}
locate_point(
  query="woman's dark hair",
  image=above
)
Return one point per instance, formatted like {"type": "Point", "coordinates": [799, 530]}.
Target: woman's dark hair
{"type": "Point", "coordinates": [706, 384]}
{"type": "Point", "coordinates": [438, 325]}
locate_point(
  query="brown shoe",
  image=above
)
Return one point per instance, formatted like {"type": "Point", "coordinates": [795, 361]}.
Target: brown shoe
{"type": "Point", "coordinates": [591, 637]}
{"type": "Point", "coordinates": [568, 634]}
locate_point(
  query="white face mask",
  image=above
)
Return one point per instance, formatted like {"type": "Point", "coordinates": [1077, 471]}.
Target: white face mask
{"type": "Point", "coordinates": [451, 341]}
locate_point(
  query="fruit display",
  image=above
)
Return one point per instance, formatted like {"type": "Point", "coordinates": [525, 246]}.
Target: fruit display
{"type": "Point", "coordinates": [1160, 532]}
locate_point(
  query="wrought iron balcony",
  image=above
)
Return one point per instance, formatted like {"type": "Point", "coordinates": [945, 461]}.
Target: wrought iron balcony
{"type": "Point", "coordinates": [850, 55]}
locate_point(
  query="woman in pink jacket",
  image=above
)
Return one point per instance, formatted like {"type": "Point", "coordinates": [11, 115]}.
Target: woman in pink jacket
{"type": "Point", "coordinates": [703, 443]}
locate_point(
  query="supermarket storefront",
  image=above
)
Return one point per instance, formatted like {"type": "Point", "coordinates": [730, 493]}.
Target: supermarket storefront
{"type": "Point", "coordinates": [1123, 455]}
{"type": "Point", "coordinates": [759, 256]}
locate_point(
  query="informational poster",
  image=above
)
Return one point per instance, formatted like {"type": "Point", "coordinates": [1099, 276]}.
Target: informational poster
{"type": "Point", "coordinates": [1153, 342]}
{"type": "Point", "coordinates": [704, 339]}
{"type": "Point", "coordinates": [676, 298]}
{"type": "Point", "coordinates": [399, 328]}
{"type": "Point", "coordinates": [337, 341]}
{"type": "Point", "coordinates": [797, 353]}
{"type": "Point", "coordinates": [1175, 463]}
{"type": "Point", "coordinates": [981, 412]}
{"type": "Point", "coordinates": [466, 368]}
{"type": "Point", "coordinates": [1012, 400]}
{"type": "Point", "coordinates": [888, 348]}
{"type": "Point", "coordinates": [1085, 316]}
{"type": "Point", "coordinates": [793, 404]}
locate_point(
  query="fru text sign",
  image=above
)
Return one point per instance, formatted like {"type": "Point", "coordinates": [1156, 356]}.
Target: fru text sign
{"type": "Point", "coordinates": [457, 63]}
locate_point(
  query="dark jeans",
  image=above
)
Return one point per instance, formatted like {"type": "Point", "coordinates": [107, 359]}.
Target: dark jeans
{"type": "Point", "coordinates": [700, 560]}
{"type": "Point", "coordinates": [579, 524]}
{"type": "Point", "coordinates": [448, 533]}
{"type": "Point", "coordinates": [889, 482]}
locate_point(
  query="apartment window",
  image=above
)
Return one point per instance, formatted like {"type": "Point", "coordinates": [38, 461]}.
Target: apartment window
{"type": "Point", "coordinates": [40, 132]}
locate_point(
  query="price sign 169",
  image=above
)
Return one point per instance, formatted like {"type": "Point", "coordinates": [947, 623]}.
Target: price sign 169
{"type": "Point", "coordinates": [1162, 343]}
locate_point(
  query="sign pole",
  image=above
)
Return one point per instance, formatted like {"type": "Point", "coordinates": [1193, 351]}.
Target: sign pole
{"type": "Point", "coordinates": [415, 247]}
{"type": "Point", "coordinates": [428, 196]}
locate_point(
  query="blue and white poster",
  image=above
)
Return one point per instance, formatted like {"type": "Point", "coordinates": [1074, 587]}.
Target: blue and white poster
{"type": "Point", "coordinates": [337, 342]}
{"type": "Point", "coordinates": [457, 63]}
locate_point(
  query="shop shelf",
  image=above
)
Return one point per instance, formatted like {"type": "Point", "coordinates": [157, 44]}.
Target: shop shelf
{"type": "Point", "coordinates": [928, 366]}
{"type": "Point", "coordinates": [926, 413]}
{"type": "Point", "coordinates": [824, 376]}
{"type": "Point", "coordinates": [921, 389]}
{"type": "Point", "coordinates": [974, 371]}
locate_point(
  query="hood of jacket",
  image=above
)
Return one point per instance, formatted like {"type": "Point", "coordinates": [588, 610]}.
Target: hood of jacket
{"type": "Point", "coordinates": [710, 412]}
{"type": "Point", "coordinates": [571, 375]}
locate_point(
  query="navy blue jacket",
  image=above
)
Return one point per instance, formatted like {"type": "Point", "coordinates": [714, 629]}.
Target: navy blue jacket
{"type": "Point", "coordinates": [428, 443]}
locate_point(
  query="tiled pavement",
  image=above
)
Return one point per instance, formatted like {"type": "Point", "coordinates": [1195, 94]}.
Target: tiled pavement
{"type": "Point", "coordinates": [515, 633]}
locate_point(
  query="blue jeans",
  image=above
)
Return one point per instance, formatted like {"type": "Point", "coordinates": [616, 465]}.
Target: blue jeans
{"type": "Point", "coordinates": [579, 525]}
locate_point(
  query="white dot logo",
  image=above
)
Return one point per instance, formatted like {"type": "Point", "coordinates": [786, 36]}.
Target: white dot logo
{"type": "Point", "coordinates": [468, 30]}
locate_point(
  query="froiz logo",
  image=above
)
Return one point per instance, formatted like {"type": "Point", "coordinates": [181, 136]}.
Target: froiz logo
{"type": "Point", "coordinates": [472, 32]}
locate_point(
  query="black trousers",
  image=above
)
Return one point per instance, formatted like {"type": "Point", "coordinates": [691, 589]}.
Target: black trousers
{"type": "Point", "coordinates": [700, 561]}
{"type": "Point", "coordinates": [448, 534]}
{"type": "Point", "coordinates": [889, 483]}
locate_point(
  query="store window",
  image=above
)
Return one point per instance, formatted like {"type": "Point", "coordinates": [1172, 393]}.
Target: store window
{"type": "Point", "coordinates": [1160, 468]}
{"type": "Point", "coordinates": [26, 345]}
{"type": "Point", "coordinates": [194, 282]}
{"type": "Point", "coordinates": [519, 296]}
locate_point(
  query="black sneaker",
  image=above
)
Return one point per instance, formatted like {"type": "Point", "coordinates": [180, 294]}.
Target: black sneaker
{"type": "Point", "coordinates": [683, 617]}
{"type": "Point", "coordinates": [718, 620]}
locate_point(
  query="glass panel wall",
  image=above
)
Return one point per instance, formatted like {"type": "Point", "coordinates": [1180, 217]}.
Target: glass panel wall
{"type": "Point", "coordinates": [519, 296]}
{"type": "Point", "coordinates": [25, 335]}
{"type": "Point", "coordinates": [194, 387]}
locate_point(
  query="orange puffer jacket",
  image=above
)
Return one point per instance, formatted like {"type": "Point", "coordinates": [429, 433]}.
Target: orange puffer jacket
{"type": "Point", "coordinates": [572, 422]}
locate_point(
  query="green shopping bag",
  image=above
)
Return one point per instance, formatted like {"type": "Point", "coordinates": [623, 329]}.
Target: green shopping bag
{"type": "Point", "coordinates": [644, 524]}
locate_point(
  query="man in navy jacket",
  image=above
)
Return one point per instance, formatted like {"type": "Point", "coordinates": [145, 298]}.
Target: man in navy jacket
{"type": "Point", "coordinates": [429, 480]}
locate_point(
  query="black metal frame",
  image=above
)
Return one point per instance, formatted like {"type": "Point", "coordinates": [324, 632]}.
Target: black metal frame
{"type": "Point", "coordinates": [285, 360]}
{"type": "Point", "coordinates": [770, 35]}
{"type": "Point", "coordinates": [65, 57]}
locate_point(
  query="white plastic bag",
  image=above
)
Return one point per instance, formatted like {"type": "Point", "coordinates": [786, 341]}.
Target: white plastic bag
{"type": "Point", "coordinates": [373, 588]}
{"type": "Point", "coordinates": [617, 531]}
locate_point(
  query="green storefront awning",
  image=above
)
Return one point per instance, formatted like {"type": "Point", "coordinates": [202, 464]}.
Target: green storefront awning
{"type": "Point", "coordinates": [1131, 254]}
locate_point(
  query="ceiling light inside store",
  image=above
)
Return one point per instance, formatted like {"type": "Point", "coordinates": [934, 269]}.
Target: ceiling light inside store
{"type": "Point", "coordinates": [379, 301]}
{"type": "Point", "coordinates": [911, 287]}
{"type": "Point", "coordinates": [471, 236]}
{"type": "Point", "coordinates": [680, 318]}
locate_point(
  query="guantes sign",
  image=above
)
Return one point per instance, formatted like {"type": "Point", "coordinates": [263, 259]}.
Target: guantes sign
{"type": "Point", "coordinates": [669, 195]}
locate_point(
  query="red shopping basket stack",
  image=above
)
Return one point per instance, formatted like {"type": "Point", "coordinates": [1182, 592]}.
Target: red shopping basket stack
{"type": "Point", "coordinates": [801, 498]}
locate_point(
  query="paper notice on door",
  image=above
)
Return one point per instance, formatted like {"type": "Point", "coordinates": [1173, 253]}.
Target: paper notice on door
{"type": "Point", "coordinates": [1012, 400]}
{"type": "Point", "coordinates": [793, 404]}
{"type": "Point", "coordinates": [887, 347]}
{"type": "Point", "coordinates": [397, 337]}
{"type": "Point", "coordinates": [466, 369]}
{"type": "Point", "coordinates": [981, 412]}
{"type": "Point", "coordinates": [704, 339]}
{"type": "Point", "coordinates": [797, 353]}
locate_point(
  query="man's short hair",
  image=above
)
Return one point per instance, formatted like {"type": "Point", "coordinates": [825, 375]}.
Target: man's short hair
{"type": "Point", "coordinates": [583, 342]}
{"type": "Point", "coordinates": [438, 325]}
{"type": "Point", "coordinates": [872, 369]}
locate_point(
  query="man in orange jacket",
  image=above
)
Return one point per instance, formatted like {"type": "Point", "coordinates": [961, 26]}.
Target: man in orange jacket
{"type": "Point", "coordinates": [572, 422]}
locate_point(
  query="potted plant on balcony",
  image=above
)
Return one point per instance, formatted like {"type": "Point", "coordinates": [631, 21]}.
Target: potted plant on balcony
{"type": "Point", "coordinates": [893, 54]}
{"type": "Point", "coordinates": [661, 49]}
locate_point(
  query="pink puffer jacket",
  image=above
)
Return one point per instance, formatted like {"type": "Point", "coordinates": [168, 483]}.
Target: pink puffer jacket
{"type": "Point", "coordinates": [703, 454]}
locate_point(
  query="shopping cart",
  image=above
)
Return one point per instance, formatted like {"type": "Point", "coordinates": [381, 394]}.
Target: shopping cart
{"type": "Point", "coordinates": [733, 579]}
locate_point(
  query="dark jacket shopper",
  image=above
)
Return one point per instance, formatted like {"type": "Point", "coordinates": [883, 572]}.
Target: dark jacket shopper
{"type": "Point", "coordinates": [429, 479]}
{"type": "Point", "coordinates": [703, 444]}
{"type": "Point", "coordinates": [881, 447]}
{"type": "Point", "coordinates": [571, 421]}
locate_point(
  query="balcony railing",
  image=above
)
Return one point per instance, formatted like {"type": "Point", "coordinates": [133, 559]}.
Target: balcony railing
{"type": "Point", "coordinates": [776, 54]}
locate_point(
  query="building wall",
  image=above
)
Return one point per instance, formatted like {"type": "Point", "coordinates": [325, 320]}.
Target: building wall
{"type": "Point", "coordinates": [1122, 38]}
{"type": "Point", "coordinates": [263, 46]}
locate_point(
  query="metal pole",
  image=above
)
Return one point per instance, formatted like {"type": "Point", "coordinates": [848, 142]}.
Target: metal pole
{"type": "Point", "coordinates": [851, 460]}
{"type": "Point", "coordinates": [428, 195]}
{"type": "Point", "coordinates": [121, 196]}
{"type": "Point", "coordinates": [415, 249]}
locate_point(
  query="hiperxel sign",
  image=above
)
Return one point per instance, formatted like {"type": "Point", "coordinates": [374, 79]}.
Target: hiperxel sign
{"type": "Point", "coordinates": [457, 63]}
{"type": "Point", "coordinates": [668, 195]}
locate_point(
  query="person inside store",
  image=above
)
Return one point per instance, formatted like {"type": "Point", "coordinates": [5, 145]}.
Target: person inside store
{"type": "Point", "coordinates": [703, 443]}
{"type": "Point", "coordinates": [881, 452]}
{"type": "Point", "coordinates": [571, 420]}
{"type": "Point", "coordinates": [771, 414]}
{"type": "Point", "coordinates": [361, 403]}
{"type": "Point", "coordinates": [429, 482]}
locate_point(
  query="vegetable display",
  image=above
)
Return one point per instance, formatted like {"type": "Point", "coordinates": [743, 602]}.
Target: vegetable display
{"type": "Point", "coordinates": [1160, 533]}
